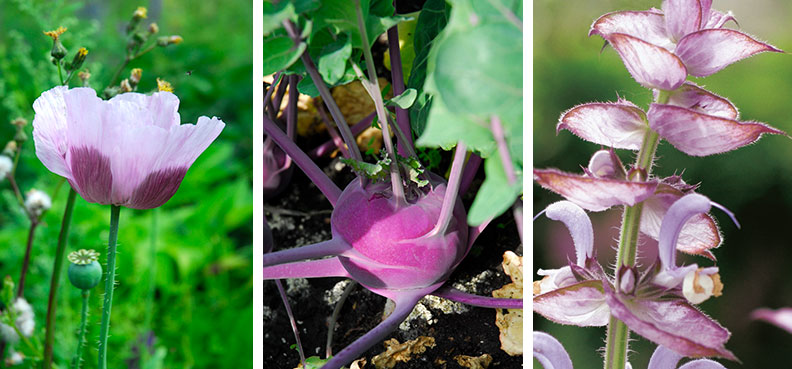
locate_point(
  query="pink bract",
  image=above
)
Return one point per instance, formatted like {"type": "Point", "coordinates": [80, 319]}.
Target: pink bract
{"type": "Point", "coordinates": [129, 151]}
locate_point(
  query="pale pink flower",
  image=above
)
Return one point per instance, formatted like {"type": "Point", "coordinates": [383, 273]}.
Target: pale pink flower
{"type": "Point", "coordinates": [131, 150]}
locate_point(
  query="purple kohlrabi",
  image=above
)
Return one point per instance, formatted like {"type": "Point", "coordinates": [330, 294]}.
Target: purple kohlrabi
{"type": "Point", "coordinates": [657, 303]}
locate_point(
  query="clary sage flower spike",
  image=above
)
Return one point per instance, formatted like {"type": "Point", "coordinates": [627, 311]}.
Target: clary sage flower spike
{"type": "Point", "coordinates": [656, 303]}
{"type": "Point", "coordinates": [128, 151]}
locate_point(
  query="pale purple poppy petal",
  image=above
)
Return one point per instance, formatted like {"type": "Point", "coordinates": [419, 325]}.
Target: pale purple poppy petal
{"type": "Point", "coordinates": [645, 25]}
{"type": "Point", "coordinates": [672, 323]}
{"type": "Point", "coordinates": [160, 109]}
{"type": "Point", "coordinates": [132, 149]}
{"type": "Point", "coordinates": [781, 318]}
{"type": "Point", "coordinates": [698, 236]}
{"type": "Point", "coordinates": [550, 353]}
{"type": "Point", "coordinates": [620, 125]}
{"type": "Point", "coordinates": [684, 16]}
{"type": "Point", "coordinates": [49, 131]}
{"type": "Point", "coordinates": [581, 304]}
{"type": "Point", "coordinates": [699, 134]}
{"type": "Point", "coordinates": [579, 225]}
{"type": "Point", "coordinates": [650, 65]}
{"type": "Point", "coordinates": [85, 120]}
{"type": "Point", "coordinates": [700, 100]}
{"type": "Point", "coordinates": [718, 19]}
{"type": "Point", "coordinates": [664, 358]}
{"type": "Point", "coordinates": [708, 51]}
{"type": "Point", "coordinates": [594, 194]}
{"type": "Point", "coordinates": [182, 146]}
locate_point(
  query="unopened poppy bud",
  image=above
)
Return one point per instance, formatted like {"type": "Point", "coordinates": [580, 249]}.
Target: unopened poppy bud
{"type": "Point", "coordinates": [125, 86]}
{"type": "Point", "coordinates": [164, 41]}
{"type": "Point", "coordinates": [37, 202]}
{"type": "Point", "coordinates": [85, 272]}
{"type": "Point", "coordinates": [153, 28]}
{"type": "Point", "coordinates": [698, 287]}
{"type": "Point", "coordinates": [163, 85]}
{"type": "Point", "coordinates": [6, 165]}
{"type": "Point", "coordinates": [79, 59]}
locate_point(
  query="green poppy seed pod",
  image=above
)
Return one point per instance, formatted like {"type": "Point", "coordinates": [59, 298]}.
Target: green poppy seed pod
{"type": "Point", "coordinates": [20, 137]}
{"type": "Point", "coordinates": [84, 272]}
{"type": "Point", "coordinates": [85, 276]}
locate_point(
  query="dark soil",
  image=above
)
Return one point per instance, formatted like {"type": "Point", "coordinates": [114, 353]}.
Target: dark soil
{"type": "Point", "coordinates": [301, 215]}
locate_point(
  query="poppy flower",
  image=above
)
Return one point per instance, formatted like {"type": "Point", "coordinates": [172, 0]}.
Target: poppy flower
{"type": "Point", "coordinates": [131, 150]}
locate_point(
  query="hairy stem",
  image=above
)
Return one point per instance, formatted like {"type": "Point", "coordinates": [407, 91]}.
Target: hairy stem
{"type": "Point", "coordinates": [328, 188]}
{"type": "Point", "coordinates": [374, 90]}
{"type": "Point", "coordinates": [397, 80]}
{"type": "Point", "coordinates": [86, 294]}
{"type": "Point", "coordinates": [60, 251]}
{"type": "Point", "coordinates": [152, 277]}
{"type": "Point", "coordinates": [618, 334]}
{"type": "Point", "coordinates": [104, 328]}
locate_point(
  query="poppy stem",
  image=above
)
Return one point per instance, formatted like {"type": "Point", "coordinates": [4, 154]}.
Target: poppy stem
{"type": "Point", "coordinates": [60, 251]}
{"type": "Point", "coordinates": [86, 294]}
{"type": "Point", "coordinates": [104, 328]}
{"type": "Point", "coordinates": [618, 334]}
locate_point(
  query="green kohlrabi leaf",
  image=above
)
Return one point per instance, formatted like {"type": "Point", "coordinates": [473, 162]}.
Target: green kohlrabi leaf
{"type": "Point", "coordinates": [280, 53]}
{"type": "Point", "coordinates": [274, 14]}
{"type": "Point", "coordinates": [404, 100]}
{"type": "Point", "coordinates": [341, 16]}
{"type": "Point", "coordinates": [332, 62]}
{"type": "Point", "coordinates": [495, 195]}
{"type": "Point", "coordinates": [432, 19]}
{"type": "Point", "coordinates": [307, 87]}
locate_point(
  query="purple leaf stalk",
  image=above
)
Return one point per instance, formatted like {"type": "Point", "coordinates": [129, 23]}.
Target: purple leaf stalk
{"type": "Point", "coordinates": [400, 237]}
{"type": "Point", "coordinates": [659, 48]}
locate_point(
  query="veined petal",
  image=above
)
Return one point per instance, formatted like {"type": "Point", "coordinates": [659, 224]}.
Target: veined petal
{"type": "Point", "coordinates": [684, 16]}
{"type": "Point", "coordinates": [49, 131]}
{"type": "Point", "coordinates": [581, 304]}
{"type": "Point", "coordinates": [708, 51]}
{"type": "Point", "coordinates": [645, 25]}
{"type": "Point", "coordinates": [695, 98]}
{"type": "Point", "coordinates": [781, 318]}
{"type": "Point", "coordinates": [594, 194]}
{"type": "Point", "coordinates": [160, 109]}
{"type": "Point", "coordinates": [672, 323]}
{"type": "Point", "coordinates": [579, 225]}
{"type": "Point", "coordinates": [620, 125]}
{"type": "Point", "coordinates": [663, 358]}
{"type": "Point", "coordinates": [550, 353]}
{"type": "Point", "coordinates": [650, 65]}
{"type": "Point", "coordinates": [699, 134]}
{"type": "Point", "coordinates": [699, 235]}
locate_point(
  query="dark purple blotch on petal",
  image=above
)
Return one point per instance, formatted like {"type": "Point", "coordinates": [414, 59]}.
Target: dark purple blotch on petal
{"type": "Point", "coordinates": [157, 188]}
{"type": "Point", "coordinates": [92, 177]}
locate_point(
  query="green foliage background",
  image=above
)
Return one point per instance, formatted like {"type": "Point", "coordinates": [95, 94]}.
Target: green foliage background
{"type": "Point", "coordinates": [754, 181]}
{"type": "Point", "coordinates": [202, 311]}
